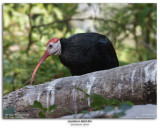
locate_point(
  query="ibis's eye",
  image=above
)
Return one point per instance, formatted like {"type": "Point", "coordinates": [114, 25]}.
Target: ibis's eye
{"type": "Point", "coordinates": [50, 46]}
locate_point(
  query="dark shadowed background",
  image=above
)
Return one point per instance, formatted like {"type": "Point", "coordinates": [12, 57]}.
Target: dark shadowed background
{"type": "Point", "coordinates": [132, 28]}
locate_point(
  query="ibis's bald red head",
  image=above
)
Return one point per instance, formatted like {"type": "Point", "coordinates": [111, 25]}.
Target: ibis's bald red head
{"type": "Point", "coordinates": [53, 48]}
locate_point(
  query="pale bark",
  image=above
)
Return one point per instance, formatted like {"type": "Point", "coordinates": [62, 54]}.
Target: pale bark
{"type": "Point", "coordinates": [134, 82]}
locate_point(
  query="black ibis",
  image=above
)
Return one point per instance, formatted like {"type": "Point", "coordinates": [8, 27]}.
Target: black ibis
{"type": "Point", "coordinates": [82, 53]}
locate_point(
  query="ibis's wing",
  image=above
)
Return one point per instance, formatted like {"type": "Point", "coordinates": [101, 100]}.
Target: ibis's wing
{"type": "Point", "coordinates": [107, 51]}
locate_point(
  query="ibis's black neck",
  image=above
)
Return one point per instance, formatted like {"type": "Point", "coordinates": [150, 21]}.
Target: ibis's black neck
{"type": "Point", "coordinates": [66, 45]}
{"type": "Point", "coordinates": [63, 45]}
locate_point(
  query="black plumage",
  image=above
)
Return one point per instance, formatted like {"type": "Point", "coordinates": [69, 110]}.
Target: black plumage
{"type": "Point", "coordinates": [87, 52]}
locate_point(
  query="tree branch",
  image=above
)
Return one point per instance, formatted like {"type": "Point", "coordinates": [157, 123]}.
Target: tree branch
{"type": "Point", "coordinates": [30, 31]}
{"type": "Point", "coordinates": [74, 19]}
{"type": "Point", "coordinates": [150, 47]}
{"type": "Point", "coordinates": [135, 82]}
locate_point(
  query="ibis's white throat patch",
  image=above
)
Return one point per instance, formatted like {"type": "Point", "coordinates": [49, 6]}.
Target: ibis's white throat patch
{"type": "Point", "coordinates": [54, 48]}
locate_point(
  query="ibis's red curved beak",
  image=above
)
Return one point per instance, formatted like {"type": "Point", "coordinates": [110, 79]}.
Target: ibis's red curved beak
{"type": "Point", "coordinates": [45, 55]}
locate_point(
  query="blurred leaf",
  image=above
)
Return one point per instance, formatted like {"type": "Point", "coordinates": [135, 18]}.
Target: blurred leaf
{"type": "Point", "coordinates": [67, 110]}
{"type": "Point", "coordinates": [52, 107]}
{"type": "Point", "coordinates": [44, 110]}
{"type": "Point", "coordinates": [142, 14]}
{"type": "Point", "coordinates": [81, 90]}
{"type": "Point", "coordinates": [37, 104]}
{"type": "Point", "coordinates": [113, 101]}
{"type": "Point", "coordinates": [119, 114]}
{"type": "Point", "coordinates": [83, 99]}
{"type": "Point", "coordinates": [41, 115]}
{"type": "Point", "coordinates": [108, 109]}
{"type": "Point", "coordinates": [8, 110]}
{"type": "Point", "coordinates": [85, 112]}
{"type": "Point", "coordinates": [124, 106]}
{"type": "Point", "coordinates": [97, 101]}
{"type": "Point", "coordinates": [129, 102]}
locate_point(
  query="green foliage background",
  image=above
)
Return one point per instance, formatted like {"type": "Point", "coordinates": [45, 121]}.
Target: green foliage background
{"type": "Point", "coordinates": [132, 29]}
